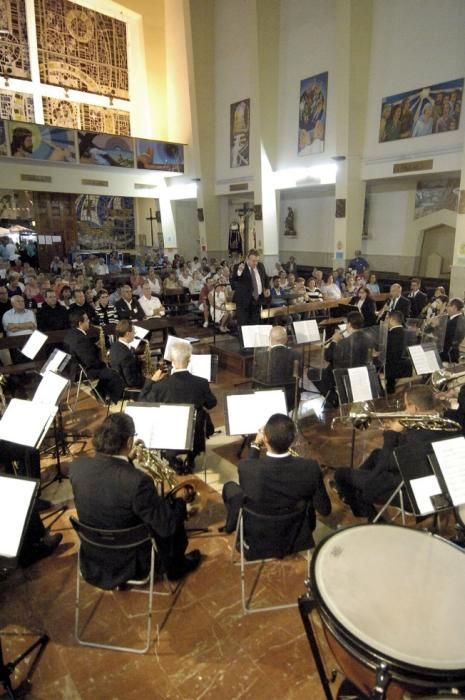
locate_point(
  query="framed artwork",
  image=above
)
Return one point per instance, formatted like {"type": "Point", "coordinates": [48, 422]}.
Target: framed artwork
{"type": "Point", "coordinates": [421, 112]}
{"type": "Point", "coordinates": [313, 98]}
{"type": "Point", "coordinates": [240, 134]}
{"type": "Point", "coordinates": [160, 155]}
{"type": "Point", "coordinates": [38, 142]}
{"type": "Point", "coordinates": [105, 149]}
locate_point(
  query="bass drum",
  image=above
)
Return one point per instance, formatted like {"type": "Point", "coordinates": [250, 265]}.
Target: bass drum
{"type": "Point", "coordinates": [392, 599]}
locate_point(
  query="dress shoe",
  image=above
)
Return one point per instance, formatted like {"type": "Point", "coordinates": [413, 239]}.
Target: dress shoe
{"type": "Point", "coordinates": [43, 548]}
{"type": "Point", "coordinates": [191, 563]}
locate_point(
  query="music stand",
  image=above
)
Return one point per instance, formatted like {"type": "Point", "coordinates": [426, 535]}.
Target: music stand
{"type": "Point", "coordinates": [351, 385]}
{"type": "Point", "coordinates": [425, 358]}
{"type": "Point", "coordinates": [205, 366]}
{"type": "Point", "coordinates": [247, 412]}
{"type": "Point", "coordinates": [163, 426]}
{"type": "Point", "coordinates": [256, 336]}
{"type": "Point", "coordinates": [17, 496]}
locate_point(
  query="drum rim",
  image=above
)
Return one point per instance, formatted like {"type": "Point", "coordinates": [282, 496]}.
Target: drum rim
{"type": "Point", "coordinates": [398, 670]}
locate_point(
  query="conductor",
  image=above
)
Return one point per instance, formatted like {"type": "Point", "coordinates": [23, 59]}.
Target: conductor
{"type": "Point", "coordinates": [251, 285]}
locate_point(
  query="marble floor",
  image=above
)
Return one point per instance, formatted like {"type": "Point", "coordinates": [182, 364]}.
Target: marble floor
{"type": "Point", "coordinates": [206, 649]}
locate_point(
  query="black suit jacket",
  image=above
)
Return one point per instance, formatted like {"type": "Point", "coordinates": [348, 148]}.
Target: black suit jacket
{"type": "Point", "coordinates": [368, 311]}
{"type": "Point", "coordinates": [397, 362]}
{"type": "Point", "coordinates": [277, 485]}
{"type": "Point", "coordinates": [403, 305]}
{"type": "Point", "coordinates": [135, 313]}
{"type": "Point", "coordinates": [123, 359]}
{"type": "Point", "coordinates": [110, 493]}
{"type": "Point", "coordinates": [84, 349]}
{"type": "Point", "coordinates": [183, 387]}
{"type": "Point", "coordinates": [352, 351]}
{"type": "Point", "coordinates": [275, 368]}
{"type": "Point", "coordinates": [455, 333]}
{"type": "Point", "coordinates": [417, 302]}
{"type": "Point", "coordinates": [242, 284]}
{"type": "Point", "coordinates": [52, 318]}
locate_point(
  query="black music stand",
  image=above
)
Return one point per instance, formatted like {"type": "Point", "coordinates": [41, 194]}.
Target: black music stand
{"type": "Point", "coordinates": [20, 493]}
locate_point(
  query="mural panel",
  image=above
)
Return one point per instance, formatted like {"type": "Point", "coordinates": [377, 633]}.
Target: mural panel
{"type": "Point", "coordinates": [105, 222]}
{"type": "Point", "coordinates": [14, 50]}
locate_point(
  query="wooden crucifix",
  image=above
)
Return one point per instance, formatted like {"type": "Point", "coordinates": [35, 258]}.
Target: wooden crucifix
{"type": "Point", "coordinates": [151, 218]}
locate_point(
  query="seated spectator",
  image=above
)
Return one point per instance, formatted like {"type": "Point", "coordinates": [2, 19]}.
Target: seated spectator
{"type": "Point", "coordinates": [127, 306]}
{"type": "Point", "coordinates": [330, 290]}
{"type": "Point", "coordinates": [56, 266]}
{"type": "Point", "coordinates": [220, 315]}
{"type": "Point", "coordinates": [31, 293]}
{"type": "Point", "coordinates": [18, 321]}
{"type": "Point", "coordinates": [106, 312]}
{"type": "Point", "coordinates": [66, 296]}
{"type": "Point", "coordinates": [313, 293]}
{"type": "Point", "coordinates": [150, 305]}
{"type": "Point", "coordinates": [97, 287]}
{"type": "Point", "coordinates": [78, 264]}
{"type": "Point", "coordinates": [170, 282]}
{"type": "Point", "coordinates": [372, 284]}
{"type": "Point", "coordinates": [350, 287]}
{"type": "Point", "coordinates": [283, 283]}
{"type": "Point", "coordinates": [52, 316]}
{"type": "Point", "coordinates": [156, 285]}
{"type": "Point", "coordinates": [184, 277]}
{"type": "Point", "coordinates": [114, 264]}
{"type": "Point", "coordinates": [14, 286]}
{"type": "Point", "coordinates": [80, 304]}
{"type": "Point", "coordinates": [196, 284]}
{"type": "Point", "coordinates": [135, 278]}
{"type": "Point", "coordinates": [102, 268]}
{"type": "Point", "coordinates": [204, 300]}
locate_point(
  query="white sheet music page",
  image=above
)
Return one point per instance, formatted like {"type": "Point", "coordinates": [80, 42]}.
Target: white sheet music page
{"type": "Point", "coordinates": [306, 331]}
{"type": "Point", "coordinates": [423, 488]}
{"type": "Point", "coordinates": [419, 359]}
{"type": "Point", "coordinates": [33, 345]}
{"type": "Point", "coordinates": [162, 427]}
{"type": "Point", "coordinates": [169, 344]}
{"type": "Point", "coordinates": [140, 332]}
{"type": "Point", "coordinates": [55, 361]}
{"type": "Point", "coordinates": [15, 498]}
{"type": "Point", "coordinates": [360, 384]}
{"type": "Point", "coordinates": [247, 413]}
{"type": "Point", "coordinates": [432, 360]}
{"type": "Point", "coordinates": [50, 389]}
{"type": "Point", "coordinates": [201, 366]}
{"type": "Point", "coordinates": [256, 336]}
{"type": "Point", "coordinates": [143, 417]}
{"type": "Point", "coordinates": [23, 422]}
{"type": "Point", "coordinates": [451, 458]}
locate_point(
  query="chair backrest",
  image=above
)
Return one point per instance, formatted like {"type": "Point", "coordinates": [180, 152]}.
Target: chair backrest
{"type": "Point", "coordinates": [277, 535]}
{"type": "Point", "coordinates": [126, 538]}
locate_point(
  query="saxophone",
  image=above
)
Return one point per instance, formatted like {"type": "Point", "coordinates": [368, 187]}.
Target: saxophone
{"type": "Point", "coordinates": [101, 344]}
{"type": "Point", "coordinates": [149, 367]}
{"type": "Point", "coordinates": [2, 395]}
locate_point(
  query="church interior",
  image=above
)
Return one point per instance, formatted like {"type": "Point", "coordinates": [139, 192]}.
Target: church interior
{"type": "Point", "coordinates": [174, 149]}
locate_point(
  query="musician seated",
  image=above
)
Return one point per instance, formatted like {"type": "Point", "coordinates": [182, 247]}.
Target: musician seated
{"type": "Point", "coordinates": [366, 306]}
{"type": "Point", "coordinates": [278, 482]}
{"type": "Point", "coordinates": [437, 305]}
{"type": "Point", "coordinates": [455, 331]}
{"type": "Point", "coordinates": [150, 305]}
{"type": "Point", "coordinates": [123, 358]}
{"type": "Point", "coordinates": [83, 350]}
{"type": "Point", "coordinates": [111, 493]}
{"type": "Point", "coordinates": [397, 363]}
{"type": "Point", "coordinates": [396, 303]}
{"type": "Point", "coordinates": [458, 414]}
{"type": "Point", "coordinates": [127, 306]}
{"type": "Point", "coordinates": [377, 478]}
{"type": "Point", "coordinates": [183, 387]}
{"type": "Point", "coordinates": [418, 299]}
{"type": "Point", "coordinates": [279, 366]}
{"type": "Point", "coordinates": [345, 352]}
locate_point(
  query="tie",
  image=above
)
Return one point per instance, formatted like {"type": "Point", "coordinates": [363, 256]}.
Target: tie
{"type": "Point", "coordinates": [254, 284]}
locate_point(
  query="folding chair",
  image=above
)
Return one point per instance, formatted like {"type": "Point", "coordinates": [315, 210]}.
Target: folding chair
{"type": "Point", "coordinates": [124, 539]}
{"type": "Point", "coordinates": [262, 538]}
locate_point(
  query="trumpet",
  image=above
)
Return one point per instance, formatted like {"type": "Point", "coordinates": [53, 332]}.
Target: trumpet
{"type": "Point", "coordinates": [361, 419]}
{"type": "Point", "coordinates": [444, 379]}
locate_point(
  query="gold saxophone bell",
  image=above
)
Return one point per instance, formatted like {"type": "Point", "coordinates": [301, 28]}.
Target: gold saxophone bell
{"type": "Point", "coordinates": [101, 344]}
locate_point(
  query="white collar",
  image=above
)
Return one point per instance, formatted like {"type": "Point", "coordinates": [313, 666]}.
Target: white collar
{"type": "Point", "coordinates": [280, 456]}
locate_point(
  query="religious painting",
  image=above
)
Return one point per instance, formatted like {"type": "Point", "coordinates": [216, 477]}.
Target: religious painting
{"type": "Point", "coordinates": [16, 105]}
{"type": "Point", "coordinates": [160, 155]}
{"type": "Point", "coordinates": [240, 133]}
{"type": "Point", "coordinates": [14, 50]}
{"type": "Point", "coordinates": [104, 222]}
{"type": "Point", "coordinates": [105, 149]}
{"type": "Point", "coordinates": [104, 120]}
{"type": "Point", "coordinates": [421, 112]}
{"type": "Point", "coordinates": [434, 195]}
{"type": "Point", "coordinates": [81, 49]}
{"type": "Point", "coordinates": [313, 98]}
{"type": "Point", "coordinates": [61, 112]}
{"type": "Point", "coordinates": [38, 142]}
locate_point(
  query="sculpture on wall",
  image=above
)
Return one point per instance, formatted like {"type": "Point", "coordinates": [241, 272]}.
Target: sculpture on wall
{"type": "Point", "coordinates": [289, 229]}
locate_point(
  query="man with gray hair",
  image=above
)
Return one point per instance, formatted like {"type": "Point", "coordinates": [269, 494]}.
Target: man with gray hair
{"type": "Point", "coordinates": [182, 387]}
{"type": "Point", "coordinates": [18, 321]}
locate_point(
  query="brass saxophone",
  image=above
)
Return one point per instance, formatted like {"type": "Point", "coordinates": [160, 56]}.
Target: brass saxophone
{"type": "Point", "coordinates": [101, 344]}
{"type": "Point", "coordinates": [149, 367]}
{"type": "Point", "coordinates": [2, 395]}
{"type": "Point", "coordinates": [361, 419]}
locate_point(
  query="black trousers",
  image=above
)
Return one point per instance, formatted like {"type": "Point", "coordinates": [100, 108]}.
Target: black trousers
{"type": "Point", "coordinates": [109, 383]}
{"type": "Point", "coordinates": [233, 497]}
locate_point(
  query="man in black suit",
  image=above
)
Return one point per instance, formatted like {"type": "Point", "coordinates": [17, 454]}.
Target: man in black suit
{"type": "Point", "coordinates": [397, 363]}
{"type": "Point", "coordinates": [52, 316]}
{"type": "Point", "coordinates": [80, 304]}
{"type": "Point", "coordinates": [127, 306]}
{"type": "Point", "coordinates": [417, 298]}
{"type": "Point", "coordinates": [83, 350]}
{"type": "Point", "coordinates": [251, 285]}
{"type": "Point", "coordinates": [396, 303]}
{"type": "Point", "coordinates": [455, 331]}
{"type": "Point", "coordinates": [278, 366]}
{"type": "Point", "coordinates": [111, 493]}
{"type": "Point", "coordinates": [278, 482]}
{"type": "Point", "coordinates": [123, 359]}
{"type": "Point", "coordinates": [182, 387]}
{"type": "Point", "coordinates": [377, 478]}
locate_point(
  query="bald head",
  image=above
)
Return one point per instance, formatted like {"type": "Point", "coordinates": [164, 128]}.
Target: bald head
{"type": "Point", "coordinates": [278, 336]}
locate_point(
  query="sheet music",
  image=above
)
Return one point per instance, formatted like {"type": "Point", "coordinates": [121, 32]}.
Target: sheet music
{"type": "Point", "coordinates": [33, 345]}
{"type": "Point", "coordinates": [256, 336]}
{"type": "Point", "coordinates": [54, 362]}
{"type": "Point", "coordinates": [140, 332]}
{"type": "Point", "coordinates": [169, 344]}
{"type": "Point", "coordinates": [360, 384]}
{"type": "Point", "coordinates": [15, 499]}
{"type": "Point", "coordinates": [306, 331]}
{"type": "Point", "coordinates": [163, 427]}
{"type": "Point", "coordinates": [247, 413]}
{"type": "Point", "coordinates": [20, 413]}
{"type": "Point", "coordinates": [423, 488]}
{"type": "Point", "coordinates": [424, 362]}
{"type": "Point", "coordinates": [201, 366]}
{"type": "Point", "coordinates": [50, 389]}
{"type": "Point", "coordinates": [451, 459]}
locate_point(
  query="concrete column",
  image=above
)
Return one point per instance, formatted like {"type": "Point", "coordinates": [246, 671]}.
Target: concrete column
{"type": "Point", "coordinates": [353, 46]}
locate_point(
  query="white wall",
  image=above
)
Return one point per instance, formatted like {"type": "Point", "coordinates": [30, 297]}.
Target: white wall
{"type": "Point", "coordinates": [414, 44]}
{"type": "Point", "coordinates": [187, 229]}
{"type": "Point", "coordinates": [313, 221]}
{"type": "Point", "coordinates": [307, 47]}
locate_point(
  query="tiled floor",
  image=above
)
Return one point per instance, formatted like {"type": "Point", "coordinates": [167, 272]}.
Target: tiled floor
{"type": "Point", "coordinates": [207, 649]}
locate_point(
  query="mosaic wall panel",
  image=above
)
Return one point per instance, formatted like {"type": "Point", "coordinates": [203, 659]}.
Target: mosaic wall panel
{"type": "Point", "coordinates": [14, 51]}
{"type": "Point", "coordinates": [16, 105]}
{"type": "Point", "coordinates": [105, 222]}
{"type": "Point", "coordinates": [81, 49]}
{"type": "Point", "coordinates": [79, 116]}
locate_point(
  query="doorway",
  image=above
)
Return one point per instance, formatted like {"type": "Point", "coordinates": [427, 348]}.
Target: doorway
{"type": "Point", "coordinates": [437, 241]}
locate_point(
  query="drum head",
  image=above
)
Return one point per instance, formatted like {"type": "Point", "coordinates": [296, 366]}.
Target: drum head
{"type": "Point", "coordinates": [400, 592]}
